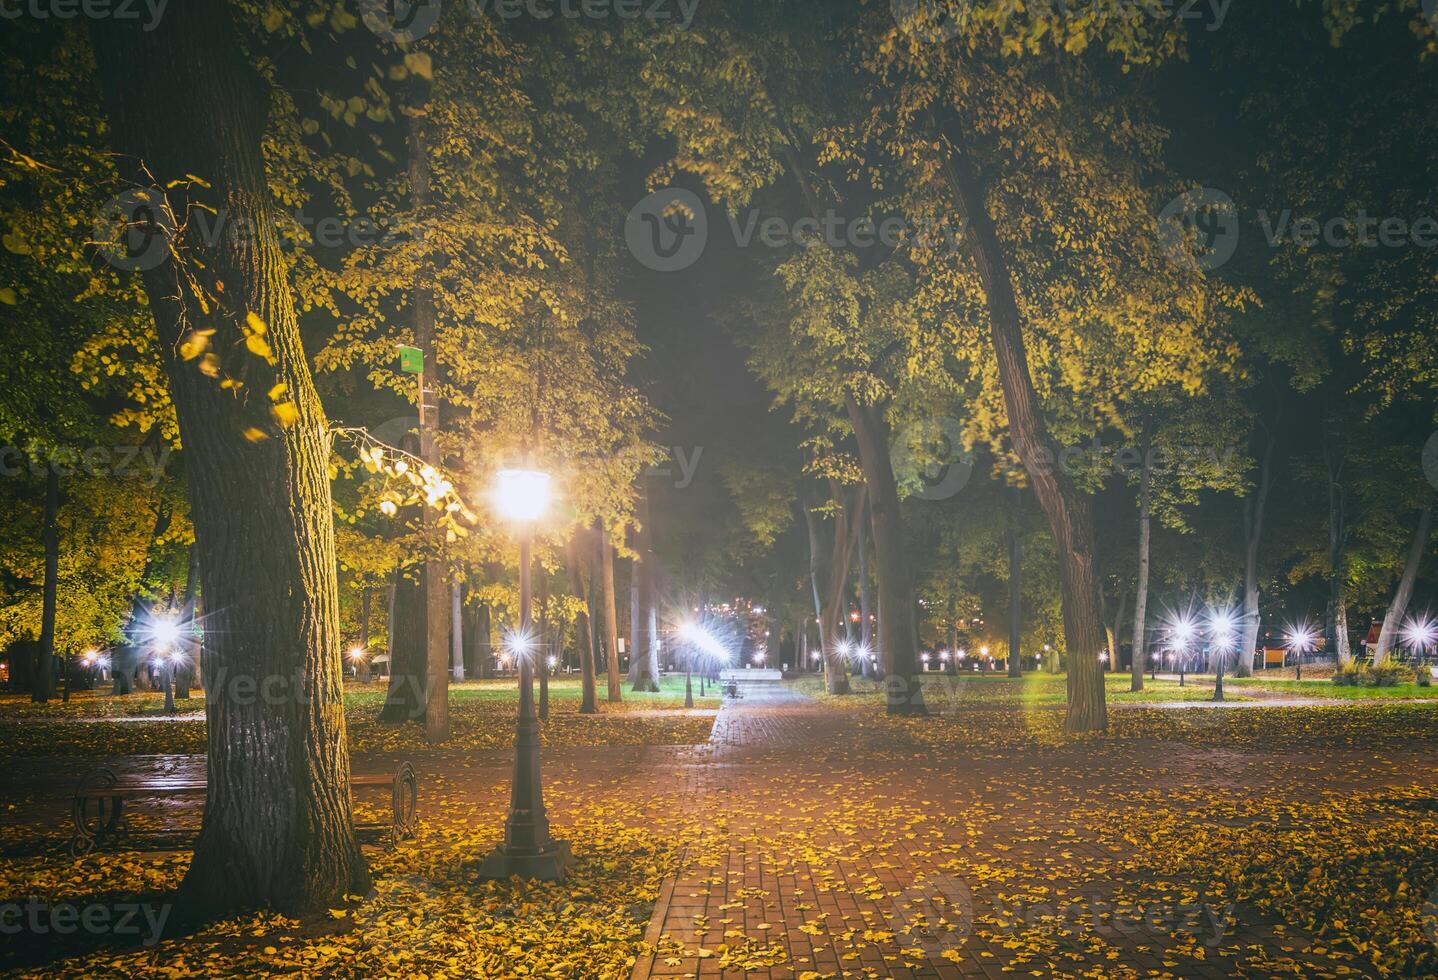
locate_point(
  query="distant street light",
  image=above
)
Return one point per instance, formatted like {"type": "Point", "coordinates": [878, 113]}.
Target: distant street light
{"type": "Point", "coordinates": [1220, 631]}
{"type": "Point", "coordinates": [521, 497]}
{"type": "Point", "coordinates": [1300, 641]}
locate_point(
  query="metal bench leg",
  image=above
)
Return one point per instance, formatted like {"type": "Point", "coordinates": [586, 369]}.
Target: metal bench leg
{"type": "Point", "coordinates": [109, 809]}
{"type": "Point", "coordinates": [404, 803]}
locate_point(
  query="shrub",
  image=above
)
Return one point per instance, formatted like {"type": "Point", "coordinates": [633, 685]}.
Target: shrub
{"type": "Point", "coordinates": [1350, 674]}
{"type": "Point", "coordinates": [1388, 674]}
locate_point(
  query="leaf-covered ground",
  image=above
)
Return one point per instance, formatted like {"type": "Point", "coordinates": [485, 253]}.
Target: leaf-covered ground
{"type": "Point", "coordinates": [821, 838]}
{"type": "Point", "coordinates": [481, 717]}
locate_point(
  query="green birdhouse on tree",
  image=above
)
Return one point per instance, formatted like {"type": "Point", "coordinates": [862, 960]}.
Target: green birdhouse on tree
{"type": "Point", "coordinates": [411, 360]}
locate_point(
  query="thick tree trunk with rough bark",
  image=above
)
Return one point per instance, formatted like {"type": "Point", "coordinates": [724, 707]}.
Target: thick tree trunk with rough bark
{"type": "Point", "coordinates": [1140, 599]}
{"type": "Point", "coordinates": [277, 828]}
{"type": "Point", "coordinates": [899, 627]}
{"type": "Point", "coordinates": [583, 632]}
{"type": "Point", "coordinates": [610, 614]}
{"type": "Point", "coordinates": [1393, 618]}
{"type": "Point", "coordinates": [1069, 511]}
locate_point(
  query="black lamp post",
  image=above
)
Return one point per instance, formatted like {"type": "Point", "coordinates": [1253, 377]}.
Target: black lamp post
{"type": "Point", "coordinates": [527, 850]}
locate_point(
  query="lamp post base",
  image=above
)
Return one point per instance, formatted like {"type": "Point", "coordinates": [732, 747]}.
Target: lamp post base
{"type": "Point", "coordinates": [548, 863]}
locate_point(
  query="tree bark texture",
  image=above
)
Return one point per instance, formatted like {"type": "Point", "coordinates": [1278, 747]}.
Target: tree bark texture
{"type": "Point", "coordinates": [277, 828]}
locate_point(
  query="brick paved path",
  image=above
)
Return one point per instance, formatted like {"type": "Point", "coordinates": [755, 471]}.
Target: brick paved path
{"type": "Point", "coordinates": [827, 856]}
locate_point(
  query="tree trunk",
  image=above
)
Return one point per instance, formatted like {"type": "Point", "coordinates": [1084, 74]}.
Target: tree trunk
{"type": "Point", "coordinates": [644, 660]}
{"type": "Point", "coordinates": [188, 646]}
{"type": "Point", "coordinates": [1337, 624]}
{"type": "Point", "coordinates": [366, 596]}
{"type": "Point", "coordinates": [1140, 599]}
{"type": "Point", "coordinates": [583, 633]}
{"type": "Point", "coordinates": [634, 630]}
{"type": "Point", "coordinates": [437, 613]}
{"type": "Point", "coordinates": [866, 627]}
{"type": "Point", "coordinates": [404, 699]}
{"type": "Point", "coordinates": [456, 628]}
{"type": "Point", "coordinates": [846, 530]}
{"type": "Point", "coordinates": [816, 567]}
{"type": "Point", "coordinates": [1016, 601]}
{"type": "Point", "coordinates": [1254, 509]}
{"type": "Point", "coordinates": [899, 627]}
{"type": "Point", "coordinates": [1069, 511]}
{"type": "Point", "coordinates": [43, 683]}
{"type": "Point", "coordinates": [277, 829]}
{"type": "Point", "coordinates": [611, 611]}
{"type": "Point", "coordinates": [1393, 618]}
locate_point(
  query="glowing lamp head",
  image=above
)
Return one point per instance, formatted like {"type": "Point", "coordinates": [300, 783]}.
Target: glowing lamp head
{"type": "Point", "coordinates": [357, 653]}
{"type": "Point", "coordinates": [1183, 632]}
{"type": "Point", "coordinates": [164, 632]}
{"type": "Point", "coordinates": [983, 651]}
{"type": "Point", "coordinates": [1421, 633]}
{"type": "Point", "coordinates": [1302, 639]}
{"type": "Point", "coordinates": [177, 658]}
{"type": "Point", "coordinates": [552, 661]}
{"type": "Point", "coordinates": [90, 656]}
{"type": "Point", "coordinates": [962, 653]}
{"type": "Point", "coordinates": [521, 495]}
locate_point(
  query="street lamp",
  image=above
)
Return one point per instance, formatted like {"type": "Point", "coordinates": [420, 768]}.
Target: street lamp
{"type": "Point", "coordinates": [1300, 641]}
{"type": "Point", "coordinates": [1182, 631]}
{"type": "Point", "coordinates": [1220, 631]}
{"type": "Point", "coordinates": [1421, 634]}
{"type": "Point", "coordinates": [521, 496]}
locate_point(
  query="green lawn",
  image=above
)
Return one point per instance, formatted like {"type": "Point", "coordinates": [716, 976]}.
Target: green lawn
{"type": "Point", "coordinates": [1031, 689]}
{"type": "Point", "coordinates": [1328, 689]}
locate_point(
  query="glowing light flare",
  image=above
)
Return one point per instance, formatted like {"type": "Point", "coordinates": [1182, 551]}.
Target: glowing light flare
{"type": "Point", "coordinates": [164, 632]}
{"type": "Point", "coordinates": [1301, 639]}
{"type": "Point", "coordinates": [520, 644]}
{"type": "Point", "coordinates": [1421, 633]}
{"type": "Point", "coordinates": [357, 653]}
{"type": "Point", "coordinates": [521, 495]}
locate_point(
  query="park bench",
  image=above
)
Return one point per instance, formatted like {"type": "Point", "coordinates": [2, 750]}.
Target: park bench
{"type": "Point", "coordinates": [98, 804]}
{"type": "Point", "coordinates": [731, 690]}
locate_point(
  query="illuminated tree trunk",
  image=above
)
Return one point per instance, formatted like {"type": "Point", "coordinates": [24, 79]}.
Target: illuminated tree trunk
{"type": "Point", "coordinates": [366, 596]}
{"type": "Point", "coordinates": [608, 600]}
{"type": "Point", "coordinates": [898, 624]}
{"type": "Point", "coordinates": [583, 634]}
{"type": "Point", "coordinates": [1393, 618]}
{"type": "Point", "coordinates": [1140, 599]}
{"type": "Point", "coordinates": [1069, 511]}
{"type": "Point", "coordinates": [644, 660]}
{"type": "Point", "coordinates": [277, 829]}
